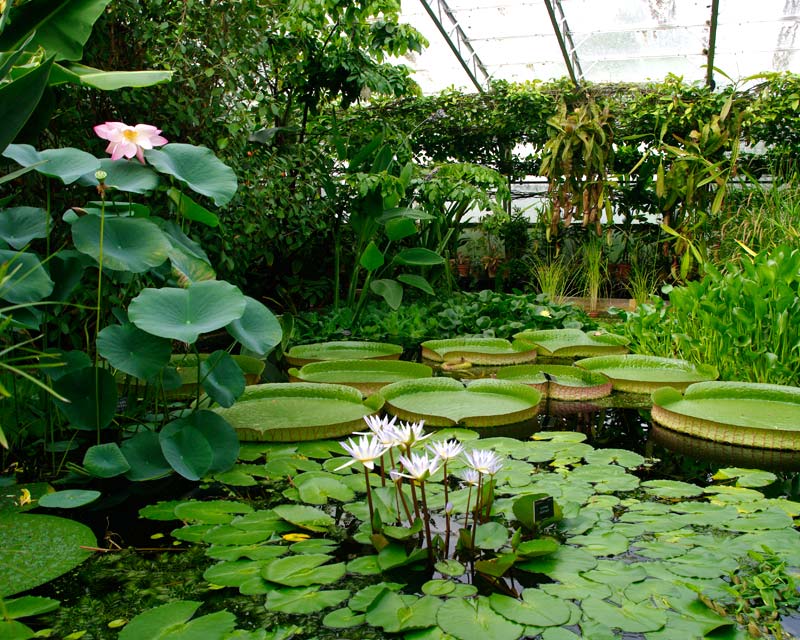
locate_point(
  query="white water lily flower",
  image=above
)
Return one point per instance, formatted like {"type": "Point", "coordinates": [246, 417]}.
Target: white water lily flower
{"type": "Point", "coordinates": [408, 434]}
{"type": "Point", "coordinates": [419, 467]}
{"type": "Point", "coordinates": [445, 450]}
{"type": "Point", "coordinates": [383, 429]}
{"type": "Point", "coordinates": [483, 461]}
{"type": "Point", "coordinates": [470, 477]}
{"type": "Point", "coordinates": [366, 451]}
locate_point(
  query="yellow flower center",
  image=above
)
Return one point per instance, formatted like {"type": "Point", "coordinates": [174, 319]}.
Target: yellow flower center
{"type": "Point", "coordinates": [131, 135]}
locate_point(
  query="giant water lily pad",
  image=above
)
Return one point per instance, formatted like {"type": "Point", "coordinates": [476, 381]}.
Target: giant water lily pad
{"type": "Point", "coordinates": [368, 376]}
{"type": "Point", "coordinates": [445, 402]}
{"type": "Point", "coordinates": [35, 549]}
{"type": "Point", "coordinates": [748, 414]}
{"type": "Point", "coordinates": [645, 374]}
{"type": "Point", "coordinates": [304, 354]}
{"type": "Point", "coordinates": [571, 343]}
{"type": "Point", "coordinates": [484, 351]}
{"type": "Point", "coordinates": [560, 382]}
{"type": "Point", "coordinates": [299, 411]}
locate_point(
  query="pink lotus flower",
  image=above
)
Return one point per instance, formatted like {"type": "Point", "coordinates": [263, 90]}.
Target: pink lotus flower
{"type": "Point", "coordinates": [126, 141]}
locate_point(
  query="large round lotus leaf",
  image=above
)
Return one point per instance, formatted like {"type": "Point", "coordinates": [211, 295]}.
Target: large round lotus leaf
{"type": "Point", "coordinates": [221, 378]}
{"type": "Point", "coordinates": [91, 398]}
{"type": "Point", "coordinates": [742, 413]}
{"type": "Point", "coordinates": [124, 175]}
{"type": "Point", "coordinates": [445, 402]}
{"type": "Point", "coordinates": [485, 351]}
{"type": "Point", "coordinates": [143, 453]}
{"type": "Point", "coordinates": [172, 620]}
{"type": "Point", "coordinates": [559, 382]}
{"type": "Point", "coordinates": [35, 549]}
{"type": "Point", "coordinates": [368, 376]}
{"type": "Point", "coordinates": [471, 619]}
{"type": "Point", "coordinates": [298, 411]}
{"type": "Point", "coordinates": [574, 342]}
{"type": "Point", "coordinates": [68, 498]}
{"type": "Point", "coordinates": [132, 351]}
{"type": "Point", "coordinates": [183, 314]}
{"type": "Point", "coordinates": [198, 445]}
{"type": "Point", "coordinates": [197, 167]}
{"type": "Point", "coordinates": [258, 329]}
{"type": "Point", "coordinates": [105, 460]}
{"type": "Point", "coordinates": [645, 374]}
{"type": "Point", "coordinates": [342, 350]}
{"type": "Point", "coordinates": [68, 164]}
{"type": "Point", "coordinates": [128, 244]}
{"type": "Point", "coordinates": [20, 225]}
{"type": "Point", "coordinates": [395, 613]}
{"type": "Point", "coordinates": [27, 281]}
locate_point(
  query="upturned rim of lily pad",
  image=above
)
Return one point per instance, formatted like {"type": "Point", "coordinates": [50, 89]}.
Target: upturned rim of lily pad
{"type": "Point", "coordinates": [574, 343]}
{"type": "Point", "coordinates": [481, 351]}
{"type": "Point", "coordinates": [302, 354]}
{"type": "Point", "coordinates": [645, 374]}
{"type": "Point", "coordinates": [368, 376]}
{"type": "Point", "coordinates": [565, 382]}
{"type": "Point", "coordinates": [746, 414]}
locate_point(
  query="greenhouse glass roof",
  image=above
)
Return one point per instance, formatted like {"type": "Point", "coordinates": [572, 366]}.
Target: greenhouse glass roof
{"type": "Point", "coordinates": [475, 41]}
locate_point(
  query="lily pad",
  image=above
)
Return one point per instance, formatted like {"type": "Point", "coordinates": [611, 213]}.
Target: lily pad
{"type": "Point", "coordinates": [68, 498]}
{"type": "Point", "coordinates": [483, 351]}
{"type": "Point", "coordinates": [299, 411]}
{"type": "Point", "coordinates": [571, 343]}
{"type": "Point", "coordinates": [368, 376]}
{"type": "Point", "coordinates": [445, 402]}
{"type": "Point", "coordinates": [300, 355]}
{"type": "Point", "coordinates": [304, 600]}
{"type": "Point", "coordinates": [645, 374]}
{"type": "Point", "coordinates": [173, 620]}
{"type": "Point", "coordinates": [559, 382]}
{"type": "Point", "coordinates": [35, 549]}
{"type": "Point", "coordinates": [535, 609]}
{"type": "Point", "coordinates": [470, 619]}
{"type": "Point", "coordinates": [741, 413]}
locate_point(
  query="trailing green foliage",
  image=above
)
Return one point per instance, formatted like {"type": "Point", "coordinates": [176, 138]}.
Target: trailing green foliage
{"type": "Point", "coordinates": [738, 320]}
{"type": "Point", "coordinates": [484, 313]}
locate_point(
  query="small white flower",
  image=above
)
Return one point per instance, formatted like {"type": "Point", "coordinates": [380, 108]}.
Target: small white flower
{"type": "Point", "coordinates": [419, 467]}
{"type": "Point", "coordinates": [484, 461]}
{"type": "Point", "coordinates": [383, 429]}
{"type": "Point", "coordinates": [365, 451]}
{"type": "Point", "coordinates": [445, 450]}
{"type": "Point", "coordinates": [395, 476]}
{"type": "Point", "coordinates": [408, 434]}
{"type": "Point", "coordinates": [470, 477]}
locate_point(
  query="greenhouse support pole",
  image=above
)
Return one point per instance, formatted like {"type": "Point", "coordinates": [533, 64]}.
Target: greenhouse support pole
{"type": "Point", "coordinates": [570, 59]}
{"type": "Point", "coordinates": [462, 39]}
{"type": "Point", "coordinates": [712, 44]}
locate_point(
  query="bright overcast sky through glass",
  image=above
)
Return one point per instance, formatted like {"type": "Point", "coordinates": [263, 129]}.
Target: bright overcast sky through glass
{"type": "Point", "coordinates": [611, 40]}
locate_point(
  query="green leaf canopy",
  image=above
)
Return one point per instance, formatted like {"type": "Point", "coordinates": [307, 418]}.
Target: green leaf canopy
{"type": "Point", "coordinates": [198, 168]}
{"type": "Point", "coordinates": [222, 379]}
{"type": "Point", "coordinates": [66, 164]}
{"type": "Point", "coordinates": [92, 398]}
{"type": "Point", "coordinates": [183, 314]}
{"type": "Point", "coordinates": [20, 225]}
{"type": "Point", "coordinates": [133, 351]}
{"type": "Point", "coordinates": [28, 281]}
{"type": "Point", "coordinates": [258, 329]}
{"type": "Point", "coordinates": [198, 445]}
{"type": "Point", "coordinates": [129, 244]}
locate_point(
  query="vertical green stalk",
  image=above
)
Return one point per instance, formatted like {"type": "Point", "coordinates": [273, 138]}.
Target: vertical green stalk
{"type": "Point", "coordinates": [369, 501]}
{"type": "Point", "coordinates": [101, 176]}
{"type": "Point", "coordinates": [426, 521]}
{"type": "Point", "coordinates": [446, 512]}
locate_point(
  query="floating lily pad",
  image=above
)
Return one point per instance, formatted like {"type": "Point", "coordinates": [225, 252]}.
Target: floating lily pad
{"type": "Point", "coordinates": [724, 453]}
{"type": "Point", "coordinates": [368, 376]}
{"type": "Point", "coordinates": [304, 354]}
{"type": "Point", "coordinates": [571, 343]}
{"type": "Point", "coordinates": [35, 549]}
{"type": "Point", "coordinates": [444, 402]}
{"type": "Point", "coordinates": [748, 414]}
{"type": "Point", "coordinates": [645, 374]}
{"type": "Point", "coordinates": [299, 411]}
{"type": "Point", "coordinates": [484, 351]}
{"type": "Point", "coordinates": [559, 382]}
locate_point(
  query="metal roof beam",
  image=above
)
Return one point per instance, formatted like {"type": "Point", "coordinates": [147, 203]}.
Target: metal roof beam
{"type": "Point", "coordinates": [471, 63]}
{"type": "Point", "coordinates": [565, 41]}
{"type": "Point", "coordinates": [712, 43]}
